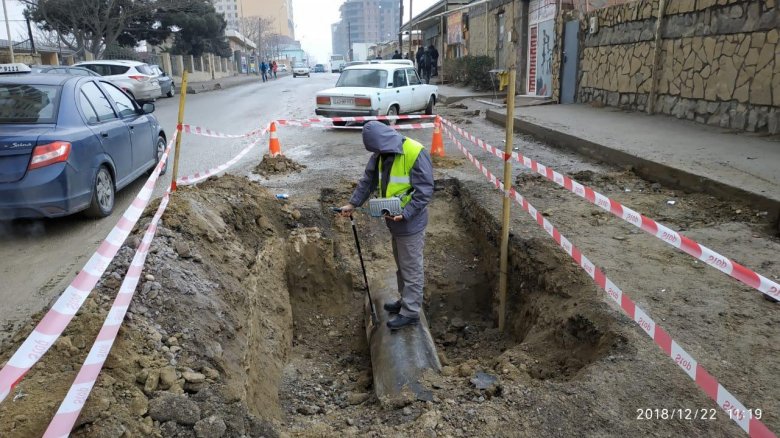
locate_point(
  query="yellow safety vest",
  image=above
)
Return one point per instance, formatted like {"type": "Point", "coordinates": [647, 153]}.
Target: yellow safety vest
{"type": "Point", "coordinates": [400, 184]}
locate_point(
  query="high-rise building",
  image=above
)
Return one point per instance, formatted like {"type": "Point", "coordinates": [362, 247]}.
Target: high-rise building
{"type": "Point", "coordinates": [365, 21]}
{"type": "Point", "coordinates": [280, 12]}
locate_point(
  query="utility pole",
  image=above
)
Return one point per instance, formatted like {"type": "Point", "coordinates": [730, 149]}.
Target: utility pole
{"type": "Point", "coordinates": [30, 35]}
{"type": "Point", "coordinates": [411, 32]}
{"type": "Point", "coordinates": [510, 124]}
{"type": "Point", "coordinates": [400, 25]}
{"type": "Point", "coordinates": [8, 31]}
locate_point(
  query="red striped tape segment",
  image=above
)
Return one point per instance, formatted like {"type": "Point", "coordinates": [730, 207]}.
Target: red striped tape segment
{"type": "Point", "coordinates": [64, 309]}
{"type": "Point", "coordinates": [662, 232]}
{"type": "Point", "coordinates": [725, 400]}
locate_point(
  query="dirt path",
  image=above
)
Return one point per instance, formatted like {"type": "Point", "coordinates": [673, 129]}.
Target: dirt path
{"type": "Point", "coordinates": [250, 322]}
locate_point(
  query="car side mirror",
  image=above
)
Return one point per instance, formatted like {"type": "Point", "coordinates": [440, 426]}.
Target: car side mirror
{"type": "Point", "coordinates": [148, 108]}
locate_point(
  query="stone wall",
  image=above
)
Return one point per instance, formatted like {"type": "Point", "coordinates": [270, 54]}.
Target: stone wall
{"type": "Point", "coordinates": [719, 62]}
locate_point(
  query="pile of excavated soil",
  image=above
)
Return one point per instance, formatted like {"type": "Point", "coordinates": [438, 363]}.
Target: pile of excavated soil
{"type": "Point", "coordinates": [447, 162]}
{"type": "Point", "coordinates": [278, 165]}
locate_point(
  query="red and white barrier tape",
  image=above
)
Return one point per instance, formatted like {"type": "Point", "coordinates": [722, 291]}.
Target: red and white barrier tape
{"type": "Point", "coordinates": [671, 237]}
{"type": "Point", "coordinates": [725, 400]}
{"type": "Point", "coordinates": [77, 395]}
{"type": "Point", "coordinates": [320, 125]}
{"type": "Point", "coordinates": [197, 130]}
{"type": "Point", "coordinates": [61, 313]}
{"type": "Point", "coordinates": [200, 176]}
{"type": "Point", "coordinates": [354, 119]}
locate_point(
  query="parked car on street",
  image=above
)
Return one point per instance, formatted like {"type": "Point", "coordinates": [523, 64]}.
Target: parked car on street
{"type": "Point", "coordinates": [69, 143]}
{"type": "Point", "coordinates": [377, 89]}
{"type": "Point", "coordinates": [301, 69]}
{"type": "Point", "coordinates": [62, 70]}
{"type": "Point", "coordinates": [136, 78]}
{"type": "Point", "coordinates": [319, 68]}
{"type": "Point", "coordinates": [167, 87]}
{"type": "Point", "coordinates": [282, 67]}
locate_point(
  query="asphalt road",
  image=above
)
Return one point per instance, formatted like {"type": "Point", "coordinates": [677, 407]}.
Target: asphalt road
{"type": "Point", "coordinates": [39, 258]}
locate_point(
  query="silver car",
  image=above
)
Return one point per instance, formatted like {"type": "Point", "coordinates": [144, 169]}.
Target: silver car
{"type": "Point", "coordinates": [136, 78]}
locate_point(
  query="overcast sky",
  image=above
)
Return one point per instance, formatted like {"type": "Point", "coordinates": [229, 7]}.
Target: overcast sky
{"type": "Point", "coordinates": [312, 22]}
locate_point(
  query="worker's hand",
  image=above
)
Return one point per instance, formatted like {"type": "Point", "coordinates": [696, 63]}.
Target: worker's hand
{"type": "Point", "coordinates": [347, 210]}
{"type": "Point", "coordinates": [398, 218]}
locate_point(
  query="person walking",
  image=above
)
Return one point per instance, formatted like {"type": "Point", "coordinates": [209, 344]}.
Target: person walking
{"type": "Point", "coordinates": [419, 58]}
{"type": "Point", "coordinates": [264, 70]}
{"type": "Point", "coordinates": [434, 60]}
{"type": "Point", "coordinates": [274, 67]}
{"type": "Point", "coordinates": [399, 167]}
{"type": "Point", "coordinates": [425, 67]}
{"type": "Point", "coordinates": [396, 55]}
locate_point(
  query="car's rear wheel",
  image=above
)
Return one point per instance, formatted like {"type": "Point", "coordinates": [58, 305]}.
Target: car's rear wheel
{"type": "Point", "coordinates": [161, 145]}
{"type": "Point", "coordinates": [392, 111]}
{"type": "Point", "coordinates": [172, 91]}
{"type": "Point", "coordinates": [103, 194]}
{"type": "Point", "coordinates": [429, 107]}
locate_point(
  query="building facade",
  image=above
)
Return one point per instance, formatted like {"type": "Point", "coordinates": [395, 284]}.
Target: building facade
{"type": "Point", "coordinates": [365, 21]}
{"type": "Point", "coordinates": [280, 12]}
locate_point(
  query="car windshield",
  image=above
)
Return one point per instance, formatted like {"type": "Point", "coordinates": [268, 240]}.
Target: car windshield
{"type": "Point", "coordinates": [23, 103]}
{"type": "Point", "coordinates": [299, 66]}
{"type": "Point", "coordinates": [363, 78]}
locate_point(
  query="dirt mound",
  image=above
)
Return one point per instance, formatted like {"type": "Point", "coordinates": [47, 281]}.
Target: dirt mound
{"type": "Point", "coordinates": [447, 162]}
{"type": "Point", "coordinates": [278, 165]}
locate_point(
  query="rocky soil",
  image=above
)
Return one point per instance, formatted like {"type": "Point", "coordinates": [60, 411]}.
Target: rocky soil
{"type": "Point", "coordinates": [277, 165]}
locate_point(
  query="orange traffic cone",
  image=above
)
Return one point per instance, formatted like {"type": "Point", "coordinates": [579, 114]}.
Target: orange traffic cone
{"type": "Point", "coordinates": [274, 148]}
{"type": "Point", "coordinates": [437, 144]}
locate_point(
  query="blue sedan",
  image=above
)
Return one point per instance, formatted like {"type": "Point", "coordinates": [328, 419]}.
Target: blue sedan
{"type": "Point", "coordinates": [69, 143]}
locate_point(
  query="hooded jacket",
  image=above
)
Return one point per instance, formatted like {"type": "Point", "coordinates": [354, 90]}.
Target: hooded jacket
{"type": "Point", "coordinates": [386, 143]}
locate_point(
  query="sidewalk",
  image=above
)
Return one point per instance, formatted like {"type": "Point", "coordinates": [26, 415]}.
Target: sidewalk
{"type": "Point", "coordinates": [226, 82]}
{"type": "Point", "coordinates": [675, 152]}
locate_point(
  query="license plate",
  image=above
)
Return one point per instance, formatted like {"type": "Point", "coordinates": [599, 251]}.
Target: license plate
{"type": "Point", "coordinates": [343, 100]}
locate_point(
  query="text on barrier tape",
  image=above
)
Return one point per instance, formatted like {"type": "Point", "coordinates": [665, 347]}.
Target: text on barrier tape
{"type": "Point", "coordinates": [725, 400]}
{"type": "Point", "coordinates": [662, 232]}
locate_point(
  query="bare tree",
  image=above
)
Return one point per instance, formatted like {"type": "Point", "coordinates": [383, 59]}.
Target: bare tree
{"type": "Point", "coordinates": [258, 30]}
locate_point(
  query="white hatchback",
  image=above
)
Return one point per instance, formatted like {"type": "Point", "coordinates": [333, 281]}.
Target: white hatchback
{"type": "Point", "coordinates": [136, 78]}
{"type": "Point", "coordinates": [301, 70]}
{"type": "Point", "coordinates": [377, 89]}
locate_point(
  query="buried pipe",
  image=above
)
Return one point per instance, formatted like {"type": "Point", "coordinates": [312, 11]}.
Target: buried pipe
{"type": "Point", "coordinates": [398, 358]}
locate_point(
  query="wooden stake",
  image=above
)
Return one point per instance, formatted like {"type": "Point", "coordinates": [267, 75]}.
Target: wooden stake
{"type": "Point", "coordinates": [182, 97]}
{"type": "Point", "coordinates": [510, 127]}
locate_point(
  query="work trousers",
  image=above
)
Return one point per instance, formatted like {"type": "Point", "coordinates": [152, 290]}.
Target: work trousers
{"type": "Point", "coordinates": [408, 254]}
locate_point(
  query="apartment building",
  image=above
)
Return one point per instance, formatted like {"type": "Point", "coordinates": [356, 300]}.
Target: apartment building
{"type": "Point", "coordinates": [279, 11]}
{"type": "Point", "coordinates": [365, 21]}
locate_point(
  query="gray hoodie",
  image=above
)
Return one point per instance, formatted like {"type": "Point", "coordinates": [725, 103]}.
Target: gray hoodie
{"type": "Point", "coordinates": [386, 143]}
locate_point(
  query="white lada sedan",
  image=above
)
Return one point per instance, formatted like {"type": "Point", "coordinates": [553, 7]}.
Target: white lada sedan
{"type": "Point", "coordinates": [385, 88]}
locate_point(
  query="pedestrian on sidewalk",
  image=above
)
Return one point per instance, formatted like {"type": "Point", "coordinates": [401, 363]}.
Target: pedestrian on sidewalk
{"type": "Point", "coordinates": [396, 55]}
{"type": "Point", "coordinates": [434, 60]}
{"type": "Point", "coordinates": [425, 67]}
{"type": "Point", "coordinates": [419, 58]}
{"type": "Point", "coordinates": [264, 70]}
{"type": "Point", "coordinates": [399, 168]}
{"type": "Point", "coordinates": [274, 67]}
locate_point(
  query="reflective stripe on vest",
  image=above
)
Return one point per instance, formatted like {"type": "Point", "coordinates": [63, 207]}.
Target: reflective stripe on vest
{"type": "Point", "coordinates": [400, 184]}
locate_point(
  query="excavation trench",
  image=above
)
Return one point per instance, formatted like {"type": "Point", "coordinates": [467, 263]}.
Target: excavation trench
{"type": "Point", "coordinates": [252, 322]}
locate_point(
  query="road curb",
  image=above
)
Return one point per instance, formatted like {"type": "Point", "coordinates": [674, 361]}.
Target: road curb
{"type": "Point", "coordinates": [651, 170]}
{"type": "Point", "coordinates": [204, 87]}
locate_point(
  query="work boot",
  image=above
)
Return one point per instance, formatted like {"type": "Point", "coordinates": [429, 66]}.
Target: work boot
{"type": "Point", "coordinates": [401, 321]}
{"type": "Point", "coordinates": [393, 307]}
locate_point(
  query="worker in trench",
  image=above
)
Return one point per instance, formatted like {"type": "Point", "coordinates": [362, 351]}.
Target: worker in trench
{"type": "Point", "coordinates": [399, 168]}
